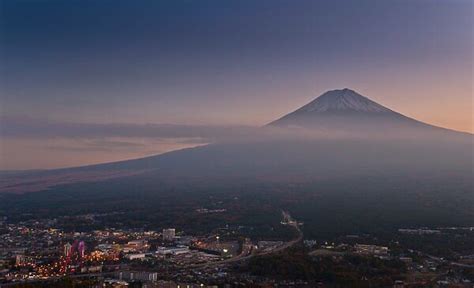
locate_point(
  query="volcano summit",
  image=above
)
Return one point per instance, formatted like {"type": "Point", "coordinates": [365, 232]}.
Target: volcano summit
{"type": "Point", "coordinates": [347, 111]}
{"type": "Point", "coordinates": [342, 100]}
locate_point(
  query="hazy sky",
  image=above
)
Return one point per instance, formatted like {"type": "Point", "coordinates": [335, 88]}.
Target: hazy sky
{"type": "Point", "coordinates": [218, 63]}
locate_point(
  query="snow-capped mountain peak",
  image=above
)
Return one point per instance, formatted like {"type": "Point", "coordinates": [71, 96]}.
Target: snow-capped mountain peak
{"type": "Point", "coordinates": [345, 109]}
{"type": "Point", "coordinates": [342, 100]}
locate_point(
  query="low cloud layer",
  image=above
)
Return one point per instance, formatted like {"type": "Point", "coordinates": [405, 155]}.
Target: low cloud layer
{"type": "Point", "coordinates": [38, 143]}
{"type": "Point", "coordinates": [34, 128]}
{"type": "Point", "coordinates": [53, 144]}
{"type": "Point", "coordinates": [35, 144]}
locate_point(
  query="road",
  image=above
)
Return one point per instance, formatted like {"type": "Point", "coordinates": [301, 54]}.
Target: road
{"type": "Point", "coordinates": [247, 249]}
{"type": "Point", "coordinates": [287, 244]}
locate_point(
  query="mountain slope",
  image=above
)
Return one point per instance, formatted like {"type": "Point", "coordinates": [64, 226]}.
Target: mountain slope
{"type": "Point", "coordinates": [370, 139]}
{"type": "Point", "coordinates": [342, 100]}
{"type": "Point", "coordinates": [346, 110]}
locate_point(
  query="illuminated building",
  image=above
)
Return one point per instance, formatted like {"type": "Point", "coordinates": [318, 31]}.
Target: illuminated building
{"type": "Point", "coordinates": [67, 249]}
{"type": "Point", "coordinates": [81, 249]}
{"type": "Point", "coordinates": [169, 234]}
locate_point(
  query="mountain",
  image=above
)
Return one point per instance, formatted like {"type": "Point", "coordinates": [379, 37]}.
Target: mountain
{"type": "Point", "coordinates": [343, 100]}
{"type": "Point", "coordinates": [346, 110]}
{"type": "Point", "coordinates": [350, 166]}
{"type": "Point", "coordinates": [370, 138]}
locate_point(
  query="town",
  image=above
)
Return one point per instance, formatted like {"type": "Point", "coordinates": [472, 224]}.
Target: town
{"type": "Point", "coordinates": [37, 252]}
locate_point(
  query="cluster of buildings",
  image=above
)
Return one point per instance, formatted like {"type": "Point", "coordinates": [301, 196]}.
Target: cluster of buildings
{"type": "Point", "coordinates": [365, 249]}
{"type": "Point", "coordinates": [35, 250]}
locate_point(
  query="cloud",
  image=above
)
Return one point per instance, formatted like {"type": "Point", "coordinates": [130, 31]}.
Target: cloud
{"type": "Point", "coordinates": [116, 134]}
{"type": "Point", "coordinates": [15, 127]}
{"type": "Point", "coordinates": [28, 143]}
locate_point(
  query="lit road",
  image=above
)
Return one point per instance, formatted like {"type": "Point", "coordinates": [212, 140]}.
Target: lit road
{"type": "Point", "coordinates": [287, 244]}
{"type": "Point", "coordinates": [248, 251]}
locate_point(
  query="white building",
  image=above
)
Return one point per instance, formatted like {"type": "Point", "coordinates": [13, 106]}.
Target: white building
{"type": "Point", "coordinates": [169, 234]}
{"type": "Point", "coordinates": [135, 256]}
{"type": "Point", "coordinates": [142, 276]}
{"type": "Point", "coordinates": [371, 249]}
{"type": "Point", "coordinates": [172, 250]}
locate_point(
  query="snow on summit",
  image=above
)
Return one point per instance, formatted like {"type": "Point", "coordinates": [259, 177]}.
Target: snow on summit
{"type": "Point", "coordinates": [345, 110]}
{"type": "Point", "coordinates": [342, 100]}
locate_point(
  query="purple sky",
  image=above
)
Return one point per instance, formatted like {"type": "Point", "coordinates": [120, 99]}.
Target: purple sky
{"type": "Point", "coordinates": [217, 63]}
